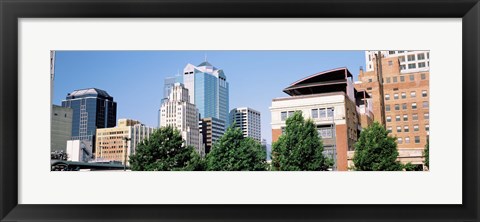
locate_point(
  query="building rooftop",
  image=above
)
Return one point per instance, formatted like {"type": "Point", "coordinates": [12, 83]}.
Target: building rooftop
{"type": "Point", "coordinates": [81, 93]}
{"type": "Point", "coordinates": [323, 82]}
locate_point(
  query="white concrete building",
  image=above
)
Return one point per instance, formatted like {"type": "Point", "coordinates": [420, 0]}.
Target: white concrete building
{"type": "Point", "coordinates": [410, 61]}
{"type": "Point", "coordinates": [330, 100]}
{"type": "Point", "coordinates": [248, 120]}
{"type": "Point", "coordinates": [177, 111]}
{"type": "Point", "coordinates": [79, 150]}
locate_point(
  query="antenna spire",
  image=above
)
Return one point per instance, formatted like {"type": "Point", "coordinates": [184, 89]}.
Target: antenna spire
{"type": "Point", "coordinates": [205, 57]}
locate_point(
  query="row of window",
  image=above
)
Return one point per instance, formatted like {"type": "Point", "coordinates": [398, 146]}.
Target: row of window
{"type": "Point", "coordinates": [406, 129]}
{"type": "Point", "coordinates": [405, 117]}
{"type": "Point", "coordinates": [322, 113]}
{"type": "Point", "coordinates": [414, 65]}
{"type": "Point", "coordinates": [405, 107]}
{"type": "Point", "coordinates": [413, 94]}
{"type": "Point", "coordinates": [407, 140]}
{"type": "Point", "coordinates": [401, 78]}
{"type": "Point", "coordinates": [284, 115]}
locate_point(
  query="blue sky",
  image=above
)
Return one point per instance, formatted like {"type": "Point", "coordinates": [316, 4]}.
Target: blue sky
{"type": "Point", "coordinates": [135, 78]}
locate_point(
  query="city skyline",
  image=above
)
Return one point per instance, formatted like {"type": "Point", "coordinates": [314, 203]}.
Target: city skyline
{"type": "Point", "coordinates": [136, 78]}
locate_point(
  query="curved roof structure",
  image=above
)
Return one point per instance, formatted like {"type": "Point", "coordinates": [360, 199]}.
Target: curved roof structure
{"type": "Point", "coordinates": [80, 93]}
{"type": "Point", "coordinates": [323, 82]}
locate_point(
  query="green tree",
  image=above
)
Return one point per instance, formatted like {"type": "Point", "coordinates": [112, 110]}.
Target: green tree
{"type": "Point", "coordinates": [165, 150]}
{"type": "Point", "coordinates": [233, 152]}
{"type": "Point", "coordinates": [299, 148]}
{"type": "Point", "coordinates": [376, 151]}
{"type": "Point", "coordinates": [426, 154]}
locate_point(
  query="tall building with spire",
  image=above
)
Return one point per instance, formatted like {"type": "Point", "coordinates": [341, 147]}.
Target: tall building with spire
{"type": "Point", "coordinates": [208, 90]}
{"type": "Point", "coordinates": [177, 111]}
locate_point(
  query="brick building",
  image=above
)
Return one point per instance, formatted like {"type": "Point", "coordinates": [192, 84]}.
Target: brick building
{"type": "Point", "coordinates": [399, 87]}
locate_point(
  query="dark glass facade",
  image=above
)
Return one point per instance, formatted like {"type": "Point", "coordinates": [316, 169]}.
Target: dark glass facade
{"type": "Point", "coordinates": [92, 108]}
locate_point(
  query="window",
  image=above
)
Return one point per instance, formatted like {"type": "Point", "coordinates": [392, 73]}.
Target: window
{"type": "Point", "coordinates": [389, 119]}
{"type": "Point", "coordinates": [397, 118]}
{"type": "Point", "coordinates": [314, 113]}
{"type": "Point", "coordinates": [369, 80]}
{"type": "Point", "coordinates": [290, 113]}
{"type": "Point", "coordinates": [387, 108]}
{"type": "Point", "coordinates": [426, 116]}
{"type": "Point", "coordinates": [390, 63]}
{"type": "Point", "coordinates": [425, 104]}
{"type": "Point", "coordinates": [413, 94]}
{"type": "Point", "coordinates": [369, 57]}
{"type": "Point", "coordinates": [407, 139]}
{"type": "Point", "coordinates": [404, 106]}
{"type": "Point", "coordinates": [405, 129]}
{"type": "Point", "coordinates": [415, 116]}
{"type": "Point", "coordinates": [421, 56]}
{"type": "Point", "coordinates": [402, 58]}
{"type": "Point", "coordinates": [389, 129]}
{"type": "Point", "coordinates": [399, 129]}
{"type": "Point", "coordinates": [401, 51]}
{"type": "Point", "coordinates": [404, 95]}
{"type": "Point", "coordinates": [422, 76]}
{"type": "Point", "coordinates": [369, 88]}
{"type": "Point", "coordinates": [414, 105]}
{"type": "Point", "coordinates": [330, 112]}
{"type": "Point", "coordinates": [403, 67]}
{"type": "Point", "coordinates": [387, 97]}
{"type": "Point", "coordinates": [395, 96]}
{"type": "Point", "coordinates": [325, 132]}
{"type": "Point", "coordinates": [391, 52]}
{"type": "Point", "coordinates": [284, 116]}
{"type": "Point", "coordinates": [394, 79]}
{"type": "Point", "coordinates": [417, 139]}
{"type": "Point", "coordinates": [405, 117]}
{"type": "Point", "coordinates": [415, 128]}
{"type": "Point", "coordinates": [397, 107]}
{"type": "Point", "coordinates": [323, 113]}
{"type": "Point", "coordinates": [421, 64]}
{"type": "Point", "coordinates": [402, 78]}
{"type": "Point", "coordinates": [424, 93]}
{"type": "Point", "coordinates": [388, 79]}
{"type": "Point", "coordinates": [399, 140]}
{"type": "Point", "coordinates": [412, 66]}
{"type": "Point", "coordinates": [427, 127]}
{"type": "Point", "coordinates": [428, 55]}
{"type": "Point", "coordinates": [412, 78]}
{"type": "Point", "coordinates": [411, 57]}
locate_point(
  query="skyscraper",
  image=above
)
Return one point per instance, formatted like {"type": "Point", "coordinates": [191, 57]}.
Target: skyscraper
{"type": "Point", "coordinates": [208, 90]}
{"type": "Point", "coordinates": [178, 112]}
{"type": "Point", "coordinates": [61, 129]}
{"type": "Point", "coordinates": [211, 130]}
{"type": "Point", "coordinates": [168, 84]}
{"type": "Point", "coordinates": [248, 120]}
{"type": "Point", "coordinates": [92, 108]}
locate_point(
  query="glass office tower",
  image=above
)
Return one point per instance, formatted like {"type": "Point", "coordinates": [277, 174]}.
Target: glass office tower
{"type": "Point", "coordinates": [208, 90]}
{"type": "Point", "coordinates": [92, 108]}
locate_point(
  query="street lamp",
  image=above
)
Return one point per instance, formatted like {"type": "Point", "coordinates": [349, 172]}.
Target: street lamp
{"type": "Point", "coordinates": [125, 156]}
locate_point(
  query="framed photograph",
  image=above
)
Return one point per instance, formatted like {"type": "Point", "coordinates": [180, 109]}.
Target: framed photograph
{"type": "Point", "coordinates": [252, 111]}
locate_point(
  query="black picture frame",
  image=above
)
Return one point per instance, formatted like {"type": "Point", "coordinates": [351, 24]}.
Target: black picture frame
{"type": "Point", "coordinates": [12, 10]}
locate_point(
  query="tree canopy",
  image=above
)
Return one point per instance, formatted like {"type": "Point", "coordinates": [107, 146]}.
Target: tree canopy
{"type": "Point", "coordinates": [233, 152]}
{"type": "Point", "coordinates": [299, 148]}
{"type": "Point", "coordinates": [376, 151]}
{"type": "Point", "coordinates": [165, 150]}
